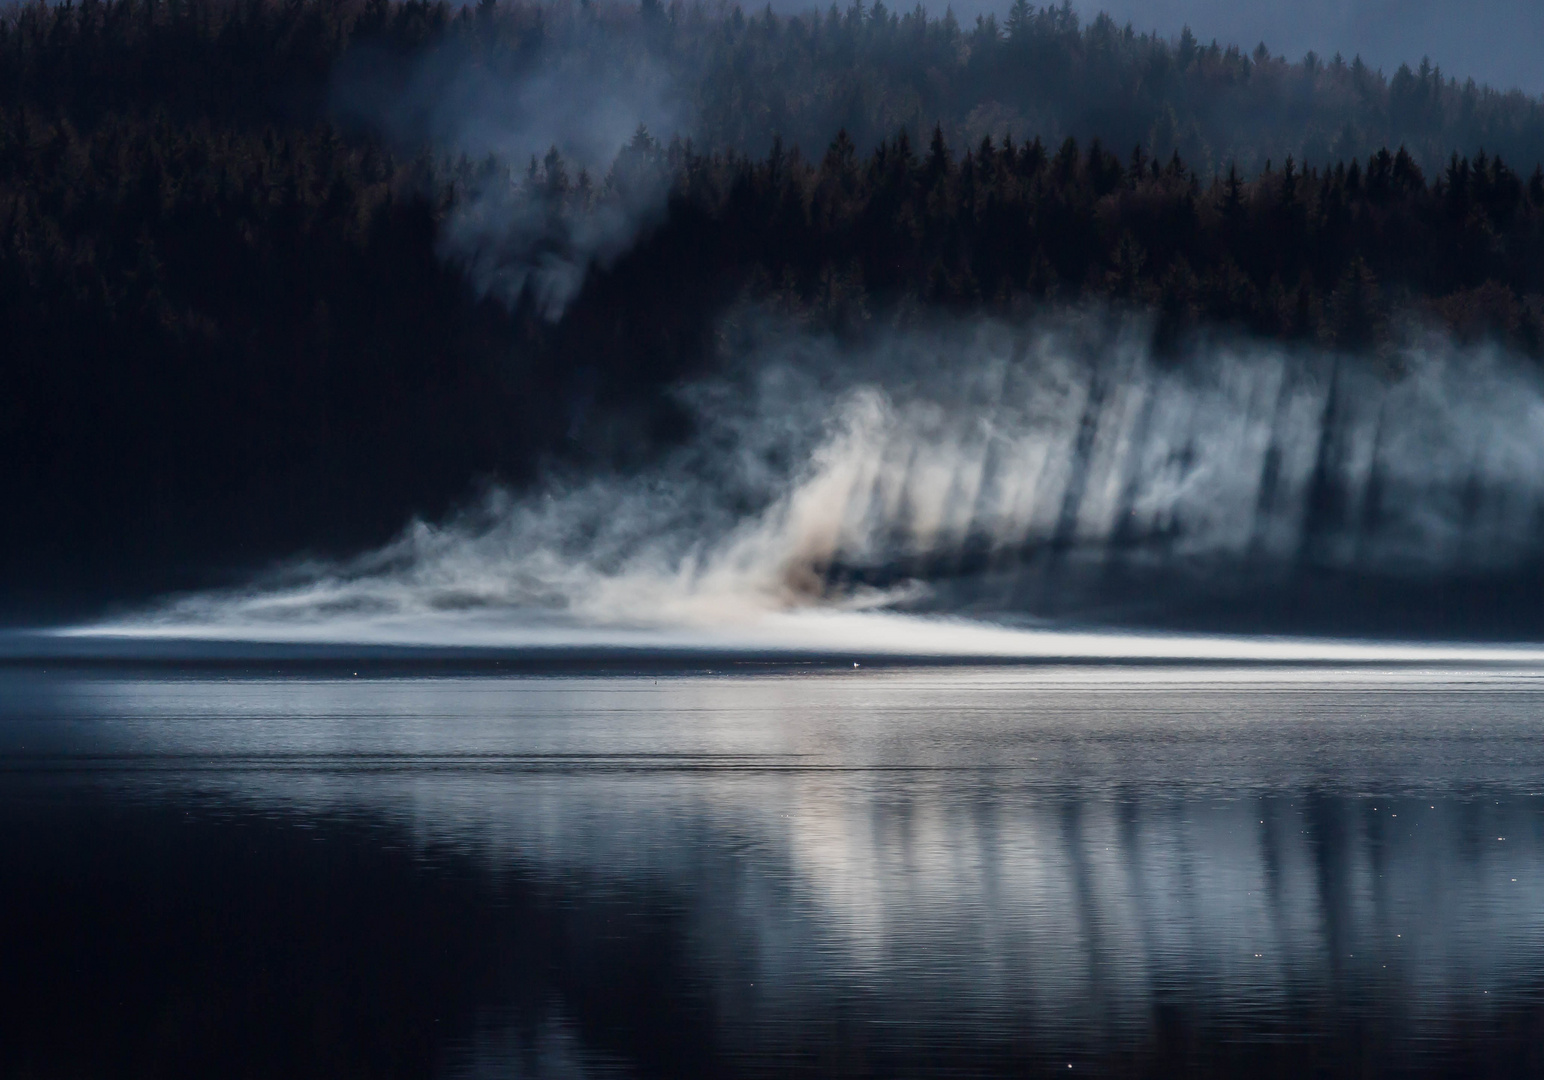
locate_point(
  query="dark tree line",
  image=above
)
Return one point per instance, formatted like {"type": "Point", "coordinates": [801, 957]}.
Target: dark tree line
{"type": "Point", "coordinates": [232, 328]}
{"type": "Point", "coordinates": [211, 338]}
{"type": "Point", "coordinates": [1346, 257]}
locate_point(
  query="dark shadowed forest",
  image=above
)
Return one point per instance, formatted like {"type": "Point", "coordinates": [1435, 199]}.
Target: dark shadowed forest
{"type": "Point", "coordinates": [253, 303]}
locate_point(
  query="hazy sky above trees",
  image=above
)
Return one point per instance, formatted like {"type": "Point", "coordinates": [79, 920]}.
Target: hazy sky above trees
{"type": "Point", "coordinates": [1495, 41]}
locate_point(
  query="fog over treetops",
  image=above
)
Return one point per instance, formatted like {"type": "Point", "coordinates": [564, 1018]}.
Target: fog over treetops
{"type": "Point", "coordinates": [1491, 41]}
{"type": "Point", "coordinates": [279, 278]}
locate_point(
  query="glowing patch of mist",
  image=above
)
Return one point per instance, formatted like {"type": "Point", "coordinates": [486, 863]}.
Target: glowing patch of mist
{"type": "Point", "coordinates": [1066, 449]}
{"type": "Point", "coordinates": [814, 633]}
{"type": "Point", "coordinates": [578, 87]}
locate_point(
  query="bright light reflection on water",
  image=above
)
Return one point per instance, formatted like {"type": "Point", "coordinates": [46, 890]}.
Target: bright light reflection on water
{"type": "Point", "coordinates": [986, 871]}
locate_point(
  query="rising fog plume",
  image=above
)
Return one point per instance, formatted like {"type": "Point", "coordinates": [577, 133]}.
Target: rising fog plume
{"type": "Point", "coordinates": [551, 150]}
{"type": "Point", "coordinates": [988, 468]}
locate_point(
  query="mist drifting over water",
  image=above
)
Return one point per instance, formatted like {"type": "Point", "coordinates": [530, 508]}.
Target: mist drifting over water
{"type": "Point", "coordinates": [838, 497]}
{"type": "Point", "coordinates": [835, 495]}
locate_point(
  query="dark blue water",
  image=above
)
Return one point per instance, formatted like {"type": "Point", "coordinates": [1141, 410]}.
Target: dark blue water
{"type": "Point", "coordinates": [1121, 871]}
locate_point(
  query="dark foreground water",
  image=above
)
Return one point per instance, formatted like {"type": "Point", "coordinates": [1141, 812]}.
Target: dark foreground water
{"type": "Point", "coordinates": [1119, 871]}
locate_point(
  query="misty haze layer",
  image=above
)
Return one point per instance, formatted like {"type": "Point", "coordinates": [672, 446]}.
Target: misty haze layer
{"type": "Point", "coordinates": [521, 78]}
{"type": "Point", "coordinates": [1494, 42]}
{"type": "Point", "coordinates": [572, 95]}
{"type": "Point", "coordinates": [970, 466]}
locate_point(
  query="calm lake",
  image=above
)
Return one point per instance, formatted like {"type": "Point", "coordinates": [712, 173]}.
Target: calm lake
{"type": "Point", "coordinates": [957, 871]}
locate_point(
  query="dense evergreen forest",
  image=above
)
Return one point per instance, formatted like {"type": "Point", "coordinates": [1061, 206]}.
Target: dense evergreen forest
{"type": "Point", "coordinates": [244, 316]}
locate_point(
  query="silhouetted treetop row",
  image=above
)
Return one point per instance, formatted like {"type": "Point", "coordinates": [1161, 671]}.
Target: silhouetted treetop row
{"type": "Point", "coordinates": [1345, 256]}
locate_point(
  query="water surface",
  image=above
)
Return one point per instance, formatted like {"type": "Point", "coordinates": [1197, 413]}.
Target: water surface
{"type": "Point", "coordinates": [1124, 870]}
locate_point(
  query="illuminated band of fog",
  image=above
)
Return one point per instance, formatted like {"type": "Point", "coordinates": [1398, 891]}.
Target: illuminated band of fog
{"type": "Point", "coordinates": [814, 634]}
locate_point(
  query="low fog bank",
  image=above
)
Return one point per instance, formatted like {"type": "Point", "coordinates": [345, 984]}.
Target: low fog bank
{"type": "Point", "coordinates": [1055, 469]}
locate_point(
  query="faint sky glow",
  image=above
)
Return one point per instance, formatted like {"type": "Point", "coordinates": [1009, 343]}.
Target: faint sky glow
{"type": "Point", "coordinates": [1492, 41]}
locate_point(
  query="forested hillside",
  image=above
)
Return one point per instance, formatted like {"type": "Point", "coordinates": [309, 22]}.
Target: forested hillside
{"type": "Point", "coordinates": [243, 318]}
{"type": "Point", "coordinates": [740, 78]}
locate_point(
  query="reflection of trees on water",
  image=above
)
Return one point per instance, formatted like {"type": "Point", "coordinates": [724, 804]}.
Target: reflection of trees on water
{"type": "Point", "coordinates": [930, 902]}
{"type": "Point", "coordinates": [870, 878]}
{"type": "Point", "coordinates": [1064, 924]}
